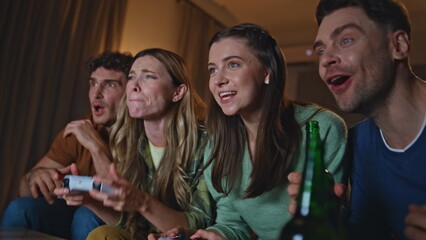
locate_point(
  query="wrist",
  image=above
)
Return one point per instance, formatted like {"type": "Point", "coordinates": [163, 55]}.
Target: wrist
{"type": "Point", "coordinates": [99, 151]}
{"type": "Point", "coordinates": [145, 203]}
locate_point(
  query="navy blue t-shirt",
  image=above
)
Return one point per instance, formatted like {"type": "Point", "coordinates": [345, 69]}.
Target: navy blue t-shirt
{"type": "Point", "coordinates": [384, 182]}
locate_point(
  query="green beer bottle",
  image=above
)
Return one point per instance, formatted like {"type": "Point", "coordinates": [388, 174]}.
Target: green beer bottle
{"type": "Point", "coordinates": [317, 216]}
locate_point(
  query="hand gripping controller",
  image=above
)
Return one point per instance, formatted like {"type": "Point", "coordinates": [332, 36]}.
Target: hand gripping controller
{"type": "Point", "coordinates": [84, 184]}
{"type": "Point", "coordinates": [180, 236]}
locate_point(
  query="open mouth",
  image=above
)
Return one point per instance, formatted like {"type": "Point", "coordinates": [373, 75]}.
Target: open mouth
{"type": "Point", "coordinates": [227, 95]}
{"type": "Point", "coordinates": [98, 109]}
{"type": "Point", "coordinates": [339, 80]}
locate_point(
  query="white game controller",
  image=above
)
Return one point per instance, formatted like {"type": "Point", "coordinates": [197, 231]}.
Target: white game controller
{"type": "Point", "coordinates": [84, 184]}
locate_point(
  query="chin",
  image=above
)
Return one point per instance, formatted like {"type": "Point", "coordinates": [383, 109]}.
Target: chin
{"type": "Point", "coordinates": [347, 107]}
{"type": "Point", "coordinates": [229, 113]}
{"type": "Point", "coordinates": [100, 120]}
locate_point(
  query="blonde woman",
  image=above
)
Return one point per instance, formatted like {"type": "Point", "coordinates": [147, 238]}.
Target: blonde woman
{"type": "Point", "coordinates": [157, 144]}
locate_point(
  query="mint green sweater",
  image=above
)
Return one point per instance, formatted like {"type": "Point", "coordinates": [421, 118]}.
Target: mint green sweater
{"type": "Point", "coordinates": [267, 213]}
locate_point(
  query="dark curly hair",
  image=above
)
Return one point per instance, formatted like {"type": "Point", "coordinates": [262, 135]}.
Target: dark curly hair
{"type": "Point", "coordinates": [390, 14]}
{"type": "Point", "coordinates": [112, 61]}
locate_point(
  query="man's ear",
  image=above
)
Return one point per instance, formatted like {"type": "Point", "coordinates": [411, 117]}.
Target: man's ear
{"type": "Point", "coordinates": [401, 44]}
{"type": "Point", "coordinates": [179, 92]}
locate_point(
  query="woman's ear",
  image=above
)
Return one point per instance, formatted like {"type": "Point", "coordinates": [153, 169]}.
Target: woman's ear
{"type": "Point", "coordinates": [401, 44]}
{"type": "Point", "coordinates": [179, 92]}
{"type": "Point", "coordinates": [267, 77]}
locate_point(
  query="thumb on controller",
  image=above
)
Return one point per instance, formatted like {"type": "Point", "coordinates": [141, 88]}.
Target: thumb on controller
{"type": "Point", "coordinates": [115, 176]}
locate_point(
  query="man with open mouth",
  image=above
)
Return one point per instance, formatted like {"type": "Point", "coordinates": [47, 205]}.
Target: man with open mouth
{"type": "Point", "coordinates": [77, 149]}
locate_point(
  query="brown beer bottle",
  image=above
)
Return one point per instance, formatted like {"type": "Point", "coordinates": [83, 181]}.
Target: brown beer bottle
{"type": "Point", "coordinates": [317, 215]}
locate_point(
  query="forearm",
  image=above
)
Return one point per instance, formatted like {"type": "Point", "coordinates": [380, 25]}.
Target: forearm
{"type": "Point", "coordinates": [101, 159]}
{"type": "Point", "coordinates": [161, 216]}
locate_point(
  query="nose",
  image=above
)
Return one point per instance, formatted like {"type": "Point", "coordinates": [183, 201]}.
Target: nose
{"type": "Point", "coordinates": [133, 86]}
{"type": "Point", "coordinates": [330, 58]}
{"type": "Point", "coordinates": [98, 92]}
{"type": "Point", "coordinates": [220, 79]}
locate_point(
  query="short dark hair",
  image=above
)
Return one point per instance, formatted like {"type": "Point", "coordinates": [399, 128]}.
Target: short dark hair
{"type": "Point", "coordinates": [112, 61]}
{"type": "Point", "coordinates": [391, 14]}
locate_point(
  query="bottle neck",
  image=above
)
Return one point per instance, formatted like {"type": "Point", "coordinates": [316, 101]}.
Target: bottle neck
{"type": "Point", "coordinates": [313, 196]}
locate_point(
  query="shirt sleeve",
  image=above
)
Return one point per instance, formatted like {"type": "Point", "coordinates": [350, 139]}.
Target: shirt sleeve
{"type": "Point", "coordinates": [334, 137]}
{"type": "Point", "coordinates": [229, 222]}
{"type": "Point", "coordinates": [63, 150]}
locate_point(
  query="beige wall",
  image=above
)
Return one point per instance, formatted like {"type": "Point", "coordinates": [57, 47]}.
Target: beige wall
{"type": "Point", "coordinates": [151, 23]}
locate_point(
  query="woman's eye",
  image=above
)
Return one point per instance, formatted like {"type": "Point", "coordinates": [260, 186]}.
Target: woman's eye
{"type": "Point", "coordinates": [233, 65]}
{"type": "Point", "coordinates": [212, 70]}
{"type": "Point", "coordinates": [149, 77]}
{"type": "Point", "coordinates": [130, 78]}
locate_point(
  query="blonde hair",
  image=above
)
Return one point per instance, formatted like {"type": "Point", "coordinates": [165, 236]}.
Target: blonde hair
{"type": "Point", "coordinates": [181, 134]}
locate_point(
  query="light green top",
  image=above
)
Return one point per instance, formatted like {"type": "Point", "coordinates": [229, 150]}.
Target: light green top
{"type": "Point", "coordinates": [267, 213]}
{"type": "Point", "coordinates": [156, 154]}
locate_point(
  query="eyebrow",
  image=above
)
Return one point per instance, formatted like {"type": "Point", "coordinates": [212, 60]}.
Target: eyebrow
{"type": "Point", "coordinates": [106, 80]}
{"type": "Point", "coordinates": [337, 31]}
{"type": "Point", "coordinates": [226, 59]}
{"type": "Point", "coordinates": [147, 71]}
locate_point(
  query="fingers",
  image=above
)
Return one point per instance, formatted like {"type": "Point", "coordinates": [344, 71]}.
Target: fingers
{"type": "Point", "coordinates": [45, 186]}
{"type": "Point", "coordinates": [34, 191]}
{"type": "Point", "coordinates": [74, 169]}
{"type": "Point", "coordinates": [115, 176]}
{"type": "Point", "coordinates": [414, 233]}
{"type": "Point", "coordinates": [70, 128]}
{"type": "Point", "coordinates": [292, 208]}
{"type": "Point", "coordinates": [416, 222]}
{"type": "Point", "coordinates": [174, 232]}
{"type": "Point", "coordinates": [416, 218]}
{"type": "Point", "coordinates": [417, 208]}
{"type": "Point", "coordinates": [46, 194]}
{"type": "Point", "coordinates": [293, 190]}
{"type": "Point", "coordinates": [65, 170]}
{"type": "Point", "coordinates": [170, 233]}
{"type": "Point", "coordinates": [33, 188]}
{"type": "Point", "coordinates": [206, 234]}
{"type": "Point", "coordinates": [295, 177]}
{"type": "Point", "coordinates": [97, 195]}
{"type": "Point", "coordinates": [61, 191]}
{"type": "Point", "coordinates": [74, 199]}
{"type": "Point", "coordinates": [113, 172]}
{"type": "Point", "coordinates": [339, 190]}
{"type": "Point", "coordinates": [153, 236]}
{"type": "Point", "coordinates": [70, 169]}
{"type": "Point", "coordinates": [74, 126]}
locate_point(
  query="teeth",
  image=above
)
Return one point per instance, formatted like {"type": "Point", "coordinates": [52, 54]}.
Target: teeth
{"type": "Point", "coordinates": [338, 80]}
{"type": "Point", "coordinates": [224, 94]}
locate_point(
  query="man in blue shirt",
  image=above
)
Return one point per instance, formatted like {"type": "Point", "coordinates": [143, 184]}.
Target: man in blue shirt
{"type": "Point", "coordinates": [363, 48]}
